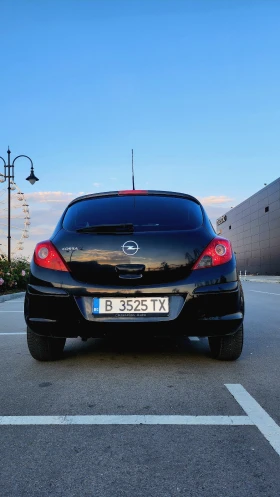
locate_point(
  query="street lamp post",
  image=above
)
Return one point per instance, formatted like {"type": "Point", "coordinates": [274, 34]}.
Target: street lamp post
{"type": "Point", "coordinates": [9, 175]}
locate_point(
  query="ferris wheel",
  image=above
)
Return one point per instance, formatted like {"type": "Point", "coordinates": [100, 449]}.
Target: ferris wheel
{"type": "Point", "coordinates": [20, 219]}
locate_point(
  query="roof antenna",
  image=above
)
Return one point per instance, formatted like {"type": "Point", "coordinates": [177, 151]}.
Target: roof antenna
{"type": "Point", "coordinates": [133, 187]}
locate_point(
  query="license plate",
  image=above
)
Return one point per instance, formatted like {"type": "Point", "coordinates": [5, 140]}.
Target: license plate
{"type": "Point", "coordinates": [136, 306]}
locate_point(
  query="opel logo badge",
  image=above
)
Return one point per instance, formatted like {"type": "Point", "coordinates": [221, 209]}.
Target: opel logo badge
{"type": "Point", "coordinates": [130, 247]}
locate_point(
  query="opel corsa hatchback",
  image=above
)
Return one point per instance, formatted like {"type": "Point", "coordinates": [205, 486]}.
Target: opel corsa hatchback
{"type": "Point", "coordinates": [119, 261]}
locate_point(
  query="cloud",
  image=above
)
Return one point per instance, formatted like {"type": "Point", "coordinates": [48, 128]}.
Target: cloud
{"type": "Point", "coordinates": [40, 230]}
{"type": "Point", "coordinates": [44, 197]}
{"type": "Point", "coordinates": [45, 209]}
{"type": "Point", "coordinates": [215, 200]}
{"type": "Point", "coordinates": [97, 185]}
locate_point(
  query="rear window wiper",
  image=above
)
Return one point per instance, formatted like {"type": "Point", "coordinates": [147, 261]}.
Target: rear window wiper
{"type": "Point", "coordinates": [107, 228]}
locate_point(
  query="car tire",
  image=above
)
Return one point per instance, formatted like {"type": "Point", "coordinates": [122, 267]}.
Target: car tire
{"type": "Point", "coordinates": [228, 347]}
{"type": "Point", "coordinates": [44, 348]}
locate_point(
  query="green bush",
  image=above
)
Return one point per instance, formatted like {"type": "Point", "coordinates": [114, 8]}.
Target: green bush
{"type": "Point", "coordinates": [14, 274]}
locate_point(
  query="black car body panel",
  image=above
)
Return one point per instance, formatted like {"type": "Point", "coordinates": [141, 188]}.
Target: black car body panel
{"type": "Point", "coordinates": [151, 259]}
{"type": "Point", "coordinates": [96, 259]}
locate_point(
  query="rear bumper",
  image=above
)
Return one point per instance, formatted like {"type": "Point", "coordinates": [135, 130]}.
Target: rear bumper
{"type": "Point", "coordinates": [204, 311]}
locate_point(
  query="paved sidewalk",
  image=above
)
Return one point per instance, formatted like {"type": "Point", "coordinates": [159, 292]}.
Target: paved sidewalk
{"type": "Point", "coordinates": [260, 278]}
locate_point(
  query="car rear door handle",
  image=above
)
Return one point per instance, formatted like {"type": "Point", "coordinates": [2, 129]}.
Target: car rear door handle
{"type": "Point", "coordinates": [130, 271]}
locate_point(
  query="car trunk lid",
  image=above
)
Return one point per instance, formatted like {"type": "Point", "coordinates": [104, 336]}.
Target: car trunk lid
{"type": "Point", "coordinates": [140, 258]}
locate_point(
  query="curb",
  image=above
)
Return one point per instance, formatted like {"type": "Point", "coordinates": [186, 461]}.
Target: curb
{"type": "Point", "coordinates": [11, 296]}
{"type": "Point", "coordinates": [260, 280]}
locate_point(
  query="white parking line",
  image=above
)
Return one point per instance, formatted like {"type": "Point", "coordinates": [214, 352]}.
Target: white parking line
{"type": "Point", "coordinates": [144, 419]}
{"type": "Point", "coordinates": [14, 333]}
{"type": "Point", "coordinates": [269, 293]}
{"type": "Point", "coordinates": [257, 415]}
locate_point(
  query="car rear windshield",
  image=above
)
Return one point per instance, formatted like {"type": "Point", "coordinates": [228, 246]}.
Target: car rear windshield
{"type": "Point", "coordinates": [145, 213]}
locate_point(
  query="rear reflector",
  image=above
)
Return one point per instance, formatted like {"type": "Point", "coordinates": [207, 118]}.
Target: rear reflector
{"type": "Point", "coordinates": [46, 255]}
{"type": "Point", "coordinates": [219, 251]}
{"type": "Point", "coordinates": [133, 192]}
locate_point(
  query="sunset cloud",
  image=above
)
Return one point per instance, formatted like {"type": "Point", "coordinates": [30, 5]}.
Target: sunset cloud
{"type": "Point", "coordinates": [215, 200]}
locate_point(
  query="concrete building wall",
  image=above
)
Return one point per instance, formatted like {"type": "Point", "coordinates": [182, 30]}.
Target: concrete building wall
{"type": "Point", "coordinates": [254, 230]}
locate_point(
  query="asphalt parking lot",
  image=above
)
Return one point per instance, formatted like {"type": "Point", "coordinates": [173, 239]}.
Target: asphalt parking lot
{"type": "Point", "coordinates": [143, 417]}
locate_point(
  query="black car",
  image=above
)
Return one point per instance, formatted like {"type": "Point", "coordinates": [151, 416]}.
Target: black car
{"type": "Point", "coordinates": [134, 262]}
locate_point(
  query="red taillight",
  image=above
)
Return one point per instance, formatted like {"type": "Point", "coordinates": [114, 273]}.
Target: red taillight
{"type": "Point", "coordinates": [46, 255]}
{"type": "Point", "coordinates": [133, 192]}
{"type": "Point", "coordinates": [218, 252]}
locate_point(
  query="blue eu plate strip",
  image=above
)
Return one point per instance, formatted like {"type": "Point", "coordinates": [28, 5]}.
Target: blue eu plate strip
{"type": "Point", "coordinates": [95, 306]}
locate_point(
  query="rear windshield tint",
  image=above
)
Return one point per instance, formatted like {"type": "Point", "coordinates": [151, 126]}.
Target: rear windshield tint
{"type": "Point", "coordinates": [146, 213]}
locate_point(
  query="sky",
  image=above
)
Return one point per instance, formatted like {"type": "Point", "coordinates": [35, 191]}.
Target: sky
{"type": "Point", "coordinates": [192, 86]}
